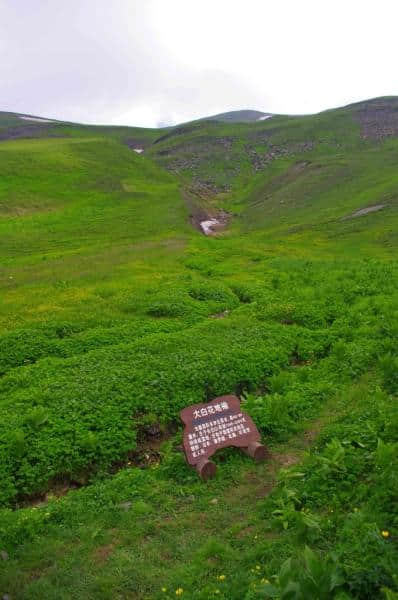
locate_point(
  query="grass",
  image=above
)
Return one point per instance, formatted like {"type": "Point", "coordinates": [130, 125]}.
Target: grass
{"type": "Point", "coordinates": [115, 313]}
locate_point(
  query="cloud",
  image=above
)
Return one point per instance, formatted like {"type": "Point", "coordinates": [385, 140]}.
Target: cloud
{"type": "Point", "coordinates": [149, 62]}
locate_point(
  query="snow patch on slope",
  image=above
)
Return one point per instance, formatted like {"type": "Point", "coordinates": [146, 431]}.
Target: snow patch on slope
{"type": "Point", "coordinates": [207, 226]}
{"type": "Point", "coordinates": [36, 119]}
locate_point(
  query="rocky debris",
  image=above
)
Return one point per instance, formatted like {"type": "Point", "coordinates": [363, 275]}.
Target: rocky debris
{"type": "Point", "coordinates": [27, 132]}
{"type": "Point", "coordinates": [378, 120]}
{"type": "Point", "coordinates": [198, 157]}
{"type": "Point", "coordinates": [206, 187]}
{"type": "Point", "coordinates": [263, 135]}
{"type": "Point", "coordinates": [225, 142]}
{"type": "Point", "coordinates": [259, 161]}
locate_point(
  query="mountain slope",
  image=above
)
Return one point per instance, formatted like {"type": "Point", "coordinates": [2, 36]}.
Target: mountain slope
{"type": "Point", "coordinates": [290, 172]}
{"type": "Point", "coordinates": [116, 313]}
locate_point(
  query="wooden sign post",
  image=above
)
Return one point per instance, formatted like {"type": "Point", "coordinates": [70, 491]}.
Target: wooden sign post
{"type": "Point", "coordinates": [218, 424]}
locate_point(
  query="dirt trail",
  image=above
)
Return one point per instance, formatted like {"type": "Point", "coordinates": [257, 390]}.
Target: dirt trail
{"type": "Point", "coordinates": [259, 480]}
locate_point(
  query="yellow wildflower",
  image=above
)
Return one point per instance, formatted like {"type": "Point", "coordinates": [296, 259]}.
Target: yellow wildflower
{"type": "Point", "coordinates": [221, 577]}
{"type": "Point", "coordinates": [258, 567]}
{"type": "Point", "coordinates": [164, 589]}
{"type": "Point", "coordinates": [264, 580]}
{"type": "Point", "coordinates": [385, 534]}
{"type": "Point", "coordinates": [179, 591]}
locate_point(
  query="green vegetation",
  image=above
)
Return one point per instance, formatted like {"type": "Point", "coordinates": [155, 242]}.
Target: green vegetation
{"type": "Point", "coordinates": [115, 313]}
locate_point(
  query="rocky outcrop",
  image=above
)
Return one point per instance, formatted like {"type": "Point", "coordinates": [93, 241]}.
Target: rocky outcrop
{"type": "Point", "coordinates": [378, 119]}
{"type": "Point", "coordinates": [261, 160]}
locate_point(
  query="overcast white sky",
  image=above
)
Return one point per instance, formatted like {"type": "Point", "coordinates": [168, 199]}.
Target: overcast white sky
{"type": "Point", "coordinates": [151, 62]}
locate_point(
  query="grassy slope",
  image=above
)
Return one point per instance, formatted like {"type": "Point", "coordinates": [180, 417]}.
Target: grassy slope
{"type": "Point", "coordinates": [291, 172]}
{"type": "Point", "coordinates": [107, 294]}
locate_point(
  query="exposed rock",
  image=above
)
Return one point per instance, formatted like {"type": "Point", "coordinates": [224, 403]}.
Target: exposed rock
{"type": "Point", "coordinates": [364, 211]}
{"type": "Point", "coordinates": [259, 160]}
{"type": "Point", "coordinates": [378, 119]}
{"type": "Point", "coordinates": [28, 131]}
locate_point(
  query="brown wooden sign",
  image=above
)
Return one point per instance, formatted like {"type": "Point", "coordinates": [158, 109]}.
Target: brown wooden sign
{"type": "Point", "coordinates": [218, 424]}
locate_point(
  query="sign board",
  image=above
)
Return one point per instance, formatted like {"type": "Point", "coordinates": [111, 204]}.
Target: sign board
{"type": "Point", "coordinates": [214, 425]}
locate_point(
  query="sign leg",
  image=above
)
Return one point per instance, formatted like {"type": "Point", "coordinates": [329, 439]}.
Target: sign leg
{"type": "Point", "coordinates": [257, 451]}
{"type": "Point", "coordinates": [206, 469]}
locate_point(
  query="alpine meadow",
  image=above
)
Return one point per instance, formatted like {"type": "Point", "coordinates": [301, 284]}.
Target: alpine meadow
{"type": "Point", "coordinates": [117, 311]}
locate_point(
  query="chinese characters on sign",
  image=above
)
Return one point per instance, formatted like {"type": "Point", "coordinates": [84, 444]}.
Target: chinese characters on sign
{"type": "Point", "coordinates": [218, 424]}
{"type": "Point", "coordinates": [216, 431]}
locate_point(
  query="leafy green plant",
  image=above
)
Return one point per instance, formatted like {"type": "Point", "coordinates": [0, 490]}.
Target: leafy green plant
{"type": "Point", "coordinates": [311, 576]}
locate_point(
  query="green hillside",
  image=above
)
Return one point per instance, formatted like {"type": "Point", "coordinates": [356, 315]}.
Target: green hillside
{"type": "Point", "coordinates": [116, 312]}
